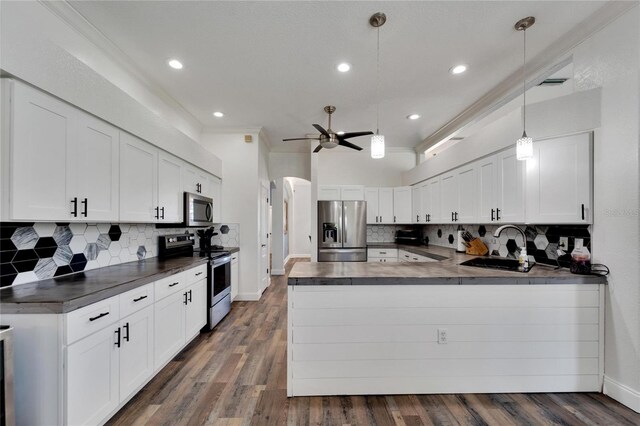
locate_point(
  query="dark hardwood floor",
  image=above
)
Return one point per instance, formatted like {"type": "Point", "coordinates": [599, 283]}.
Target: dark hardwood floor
{"type": "Point", "coordinates": [236, 375]}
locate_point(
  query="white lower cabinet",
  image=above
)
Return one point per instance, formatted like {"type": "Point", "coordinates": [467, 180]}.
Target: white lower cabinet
{"type": "Point", "coordinates": [136, 350]}
{"type": "Point", "coordinates": [92, 377]}
{"type": "Point", "coordinates": [79, 368]}
{"type": "Point", "coordinates": [375, 255]}
{"type": "Point", "coordinates": [178, 317]}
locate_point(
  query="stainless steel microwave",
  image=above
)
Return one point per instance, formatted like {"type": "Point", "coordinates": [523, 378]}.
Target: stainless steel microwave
{"type": "Point", "coordinates": [198, 210]}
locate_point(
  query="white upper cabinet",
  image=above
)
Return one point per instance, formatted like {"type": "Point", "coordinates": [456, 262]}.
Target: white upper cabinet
{"type": "Point", "coordinates": [215, 185]}
{"type": "Point", "coordinates": [352, 192]}
{"type": "Point", "coordinates": [63, 162]}
{"type": "Point", "coordinates": [402, 208]}
{"type": "Point", "coordinates": [39, 154]}
{"type": "Point", "coordinates": [467, 195]}
{"type": "Point", "coordinates": [371, 197]}
{"type": "Point", "coordinates": [190, 179]}
{"type": "Point", "coordinates": [341, 192]}
{"type": "Point", "coordinates": [487, 189]}
{"type": "Point", "coordinates": [96, 160]}
{"type": "Point", "coordinates": [385, 205]}
{"type": "Point", "coordinates": [431, 200]}
{"type": "Point", "coordinates": [328, 192]}
{"type": "Point", "coordinates": [510, 188]}
{"type": "Point", "coordinates": [559, 181]}
{"type": "Point", "coordinates": [448, 197]}
{"type": "Point", "coordinates": [138, 180]}
{"type": "Point", "coordinates": [416, 205]}
{"type": "Point", "coordinates": [170, 196]}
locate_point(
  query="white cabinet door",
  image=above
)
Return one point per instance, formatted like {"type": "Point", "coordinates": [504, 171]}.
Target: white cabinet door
{"type": "Point", "coordinates": [559, 181]}
{"type": "Point", "coordinates": [235, 277]}
{"type": "Point", "coordinates": [467, 195]}
{"type": "Point", "coordinates": [138, 180]}
{"type": "Point", "coordinates": [189, 179]}
{"type": "Point", "coordinates": [215, 186]}
{"type": "Point", "coordinates": [402, 210]}
{"type": "Point", "coordinates": [170, 196]}
{"type": "Point", "coordinates": [416, 205]}
{"type": "Point", "coordinates": [196, 308]}
{"type": "Point", "coordinates": [385, 205]}
{"type": "Point", "coordinates": [371, 197]}
{"type": "Point", "coordinates": [168, 330]}
{"type": "Point", "coordinates": [329, 192]}
{"type": "Point", "coordinates": [352, 192]}
{"type": "Point", "coordinates": [449, 197]}
{"type": "Point", "coordinates": [96, 169]}
{"type": "Point", "coordinates": [487, 189]}
{"type": "Point", "coordinates": [42, 128]}
{"type": "Point", "coordinates": [510, 187]}
{"type": "Point", "coordinates": [433, 206]}
{"type": "Point", "coordinates": [136, 351]}
{"type": "Point", "coordinates": [92, 373]}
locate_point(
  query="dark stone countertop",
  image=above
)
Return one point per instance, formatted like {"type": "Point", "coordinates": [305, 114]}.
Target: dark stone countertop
{"type": "Point", "coordinates": [70, 292]}
{"type": "Point", "coordinates": [447, 271]}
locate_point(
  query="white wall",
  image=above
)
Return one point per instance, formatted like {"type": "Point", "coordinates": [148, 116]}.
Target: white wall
{"type": "Point", "coordinates": [301, 221]}
{"type": "Point", "coordinates": [241, 194]}
{"type": "Point", "coordinates": [39, 47]}
{"type": "Point", "coordinates": [277, 236]}
{"type": "Point", "coordinates": [340, 166]}
{"type": "Point", "coordinates": [288, 197]}
{"type": "Point", "coordinates": [293, 164]}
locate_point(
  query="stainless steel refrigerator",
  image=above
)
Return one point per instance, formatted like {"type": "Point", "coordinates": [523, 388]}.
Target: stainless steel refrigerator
{"type": "Point", "coordinates": [342, 231]}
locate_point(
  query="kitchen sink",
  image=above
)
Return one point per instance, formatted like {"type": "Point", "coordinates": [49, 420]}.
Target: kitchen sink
{"type": "Point", "coordinates": [496, 263]}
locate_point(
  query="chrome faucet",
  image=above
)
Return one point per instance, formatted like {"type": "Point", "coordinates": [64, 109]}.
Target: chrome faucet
{"type": "Point", "coordinates": [498, 231]}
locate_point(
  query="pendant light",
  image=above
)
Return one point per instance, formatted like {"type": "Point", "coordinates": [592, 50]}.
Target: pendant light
{"type": "Point", "coordinates": [377, 141]}
{"type": "Point", "coordinates": [524, 145]}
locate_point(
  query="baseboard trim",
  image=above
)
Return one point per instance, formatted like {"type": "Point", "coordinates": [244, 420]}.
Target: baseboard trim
{"type": "Point", "coordinates": [622, 393]}
{"type": "Point", "coordinates": [248, 297]}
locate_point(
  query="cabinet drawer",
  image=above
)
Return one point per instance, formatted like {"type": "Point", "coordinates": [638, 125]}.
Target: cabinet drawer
{"type": "Point", "coordinates": [196, 274]}
{"type": "Point", "coordinates": [382, 252]}
{"type": "Point", "coordinates": [169, 285]}
{"type": "Point", "coordinates": [136, 299]}
{"type": "Point", "coordinates": [92, 318]}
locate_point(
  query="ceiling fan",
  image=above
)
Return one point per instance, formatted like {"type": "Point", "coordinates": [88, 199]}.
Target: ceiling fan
{"type": "Point", "coordinates": [328, 138]}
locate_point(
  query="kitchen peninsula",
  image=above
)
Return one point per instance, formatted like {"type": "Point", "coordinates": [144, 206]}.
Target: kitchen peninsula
{"type": "Point", "coordinates": [438, 327]}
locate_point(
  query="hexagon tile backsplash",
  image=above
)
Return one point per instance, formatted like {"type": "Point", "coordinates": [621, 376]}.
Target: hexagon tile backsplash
{"type": "Point", "coordinates": [36, 251]}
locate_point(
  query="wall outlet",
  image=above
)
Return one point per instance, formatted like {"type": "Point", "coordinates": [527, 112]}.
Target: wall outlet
{"type": "Point", "coordinates": [442, 336]}
{"type": "Point", "coordinates": [563, 243]}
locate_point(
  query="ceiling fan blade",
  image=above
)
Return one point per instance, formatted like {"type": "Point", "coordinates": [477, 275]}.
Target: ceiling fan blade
{"type": "Point", "coordinates": [318, 148]}
{"type": "Point", "coordinates": [349, 145]}
{"type": "Point", "coordinates": [321, 130]}
{"type": "Point", "coordinates": [353, 135]}
{"type": "Point", "coordinates": [301, 139]}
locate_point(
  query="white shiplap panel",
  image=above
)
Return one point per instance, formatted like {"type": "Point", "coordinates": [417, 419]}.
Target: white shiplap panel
{"type": "Point", "coordinates": [446, 287]}
{"type": "Point", "coordinates": [444, 367]}
{"type": "Point", "coordinates": [435, 315]}
{"type": "Point", "coordinates": [452, 350]}
{"type": "Point", "coordinates": [449, 296]}
{"type": "Point", "coordinates": [445, 384]}
{"type": "Point", "coordinates": [456, 333]}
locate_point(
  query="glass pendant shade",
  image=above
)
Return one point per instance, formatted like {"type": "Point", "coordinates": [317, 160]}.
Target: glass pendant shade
{"type": "Point", "coordinates": [524, 147]}
{"type": "Point", "coordinates": [377, 146]}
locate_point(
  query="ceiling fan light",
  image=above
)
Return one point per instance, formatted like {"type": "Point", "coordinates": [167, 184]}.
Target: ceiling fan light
{"type": "Point", "coordinates": [524, 148]}
{"type": "Point", "coordinates": [377, 146]}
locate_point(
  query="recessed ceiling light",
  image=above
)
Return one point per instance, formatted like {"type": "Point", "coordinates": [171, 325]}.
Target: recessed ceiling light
{"type": "Point", "coordinates": [344, 67]}
{"type": "Point", "coordinates": [458, 69]}
{"type": "Point", "coordinates": [413, 116]}
{"type": "Point", "coordinates": [340, 133]}
{"type": "Point", "coordinates": [218, 114]}
{"type": "Point", "coordinates": [175, 64]}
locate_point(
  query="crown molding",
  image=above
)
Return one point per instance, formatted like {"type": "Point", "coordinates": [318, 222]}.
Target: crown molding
{"type": "Point", "coordinates": [543, 64]}
{"type": "Point", "coordinates": [76, 21]}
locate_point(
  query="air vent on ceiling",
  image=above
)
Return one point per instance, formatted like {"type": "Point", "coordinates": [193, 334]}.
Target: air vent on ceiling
{"type": "Point", "coordinates": [553, 82]}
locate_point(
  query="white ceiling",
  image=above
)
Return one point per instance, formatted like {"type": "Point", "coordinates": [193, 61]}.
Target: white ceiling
{"type": "Point", "coordinates": [272, 64]}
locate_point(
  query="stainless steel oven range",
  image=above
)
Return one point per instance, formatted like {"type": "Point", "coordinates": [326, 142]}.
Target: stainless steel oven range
{"type": "Point", "coordinates": [218, 273]}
